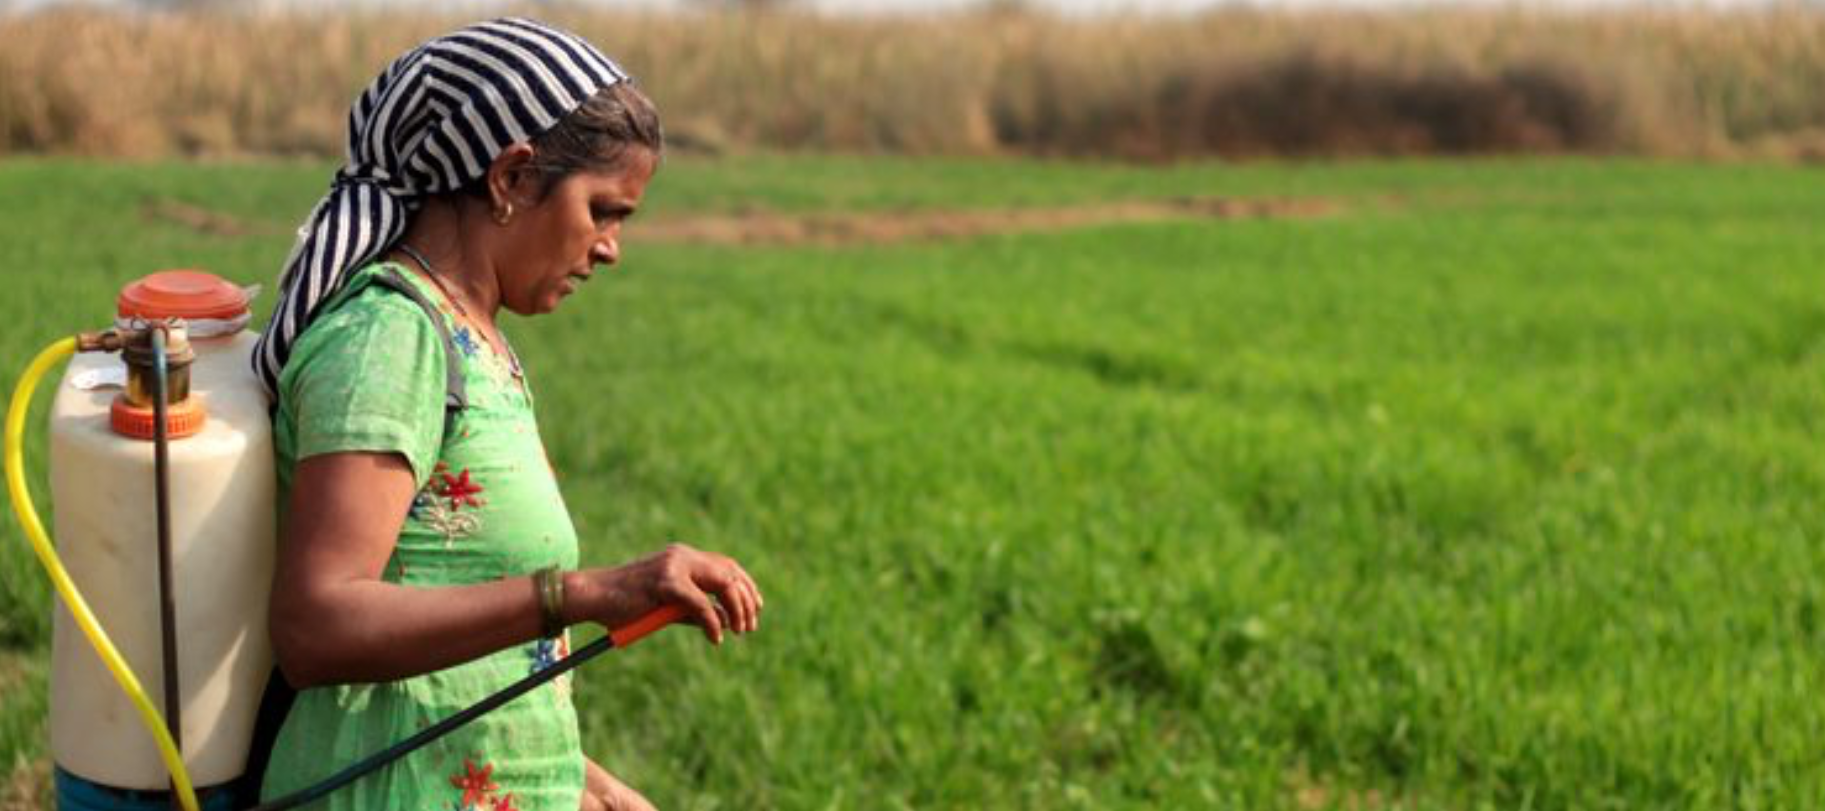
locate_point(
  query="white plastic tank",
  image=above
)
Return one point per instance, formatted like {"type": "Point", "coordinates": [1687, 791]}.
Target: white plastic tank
{"type": "Point", "coordinates": [222, 528]}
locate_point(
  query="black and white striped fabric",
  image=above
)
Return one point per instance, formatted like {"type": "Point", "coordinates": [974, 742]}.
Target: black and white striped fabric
{"type": "Point", "coordinates": [432, 122]}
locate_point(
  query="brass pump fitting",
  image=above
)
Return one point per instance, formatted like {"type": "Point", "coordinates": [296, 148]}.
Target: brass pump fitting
{"type": "Point", "coordinates": [108, 340]}
{"type": "Point", "coordinates": [137, 352]}
{"type": "Point", "coordinates": [134, 412]}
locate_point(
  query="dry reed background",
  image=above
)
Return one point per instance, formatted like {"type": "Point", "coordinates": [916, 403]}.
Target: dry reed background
{"type": "Point", "coordinates": [1233, 82]}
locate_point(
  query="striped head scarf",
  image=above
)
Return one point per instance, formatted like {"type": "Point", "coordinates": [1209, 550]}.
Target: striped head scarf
{"type": "Point", "coordinates": [432, 122]}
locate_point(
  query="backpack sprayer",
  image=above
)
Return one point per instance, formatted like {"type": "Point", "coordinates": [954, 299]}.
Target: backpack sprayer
{"type": "Point", "coordinates": [186, 440]}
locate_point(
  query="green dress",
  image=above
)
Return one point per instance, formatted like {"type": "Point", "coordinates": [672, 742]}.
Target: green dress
{"type": "Point", "coordinates": [369, 375]}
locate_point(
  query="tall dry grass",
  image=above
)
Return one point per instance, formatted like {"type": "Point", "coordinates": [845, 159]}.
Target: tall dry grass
{"type": "Point", "coordinates": [1234, 82]}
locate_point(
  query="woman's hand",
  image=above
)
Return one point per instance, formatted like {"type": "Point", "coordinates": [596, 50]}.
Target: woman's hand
{"type": "Point", "coordinates": [715, 592]}
{"type": "Point", "coordinates": [602, 792]}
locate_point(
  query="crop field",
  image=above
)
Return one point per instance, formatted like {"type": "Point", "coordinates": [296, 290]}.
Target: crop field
{"type": "Point", "coordinates": [1357, 485]}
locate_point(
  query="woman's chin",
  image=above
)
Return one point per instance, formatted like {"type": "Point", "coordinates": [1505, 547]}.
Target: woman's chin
{"type": "Point", "coordinates": [537, 307]}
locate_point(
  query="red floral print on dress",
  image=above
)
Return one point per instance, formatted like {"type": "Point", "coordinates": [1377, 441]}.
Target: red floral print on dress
{"type": "Point", "coordinates": [477, 785]}
{"type": "Point", "coordinates": [440, 504]}
{"type": "Point", "coordinates": [459, 490]}
{"type": "Point", "coordinates": [503, 803]}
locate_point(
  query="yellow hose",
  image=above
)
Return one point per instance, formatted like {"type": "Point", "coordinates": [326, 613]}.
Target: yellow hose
{"type": "Point", "coordinates": [41, 543]}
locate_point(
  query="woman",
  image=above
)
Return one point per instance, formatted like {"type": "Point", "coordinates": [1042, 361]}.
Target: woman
{"type": "Point", "coordinates": [427, 558]}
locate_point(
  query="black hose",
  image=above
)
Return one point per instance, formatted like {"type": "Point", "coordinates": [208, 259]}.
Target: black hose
{"type": "Point", "coordinates": [405, 747]}
{"type": "Point", "coordinates": [167, 609]}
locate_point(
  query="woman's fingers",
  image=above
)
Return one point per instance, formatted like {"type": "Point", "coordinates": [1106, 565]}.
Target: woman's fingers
{"type": "Point", "coordinates": [620, 797]}
{"type": "Point", "coordinates": [732, 612]}
{"type": "Point", "coordinates": [605, 792]}
{"type": "Point", "coordinates": [722, 576]}
{"type": "Point", "coordinates": [715, 591]}
{"type": "Point", "coordinates": [755, 603]}
{"type": "Point", "coordinates": [753, 595]}
{"type": "Point", "coordinates": [728, 622]}
{"type": "Point", "coordinates": [740, 590]}
{"type": "Point", "coordinates": [596, 779]}
{"type": "Point", "coordinates": [705, 612]}
{"type": "Point", "coordinates": [733, 596]}
{"type": "Point", "coordinates": [747, 594]}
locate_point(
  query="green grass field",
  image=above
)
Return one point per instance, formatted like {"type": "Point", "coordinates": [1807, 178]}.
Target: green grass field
{"type": "Point", "coordinates": [1497, 487]}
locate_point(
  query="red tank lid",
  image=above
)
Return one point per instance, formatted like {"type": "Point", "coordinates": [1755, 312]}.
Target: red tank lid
{"type": "Point", "coordinates": [187, 294]}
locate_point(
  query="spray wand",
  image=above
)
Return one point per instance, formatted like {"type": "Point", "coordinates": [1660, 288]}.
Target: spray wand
{"type": "Point", "coordinates": [619, 638]}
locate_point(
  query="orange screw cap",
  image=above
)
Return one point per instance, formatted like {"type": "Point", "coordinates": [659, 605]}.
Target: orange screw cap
{"type": "Point", "coordinates": [182, 419]}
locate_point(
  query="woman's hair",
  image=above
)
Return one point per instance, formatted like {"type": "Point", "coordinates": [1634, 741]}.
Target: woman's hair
{"type": "Point", "coordinates": [594, 137]}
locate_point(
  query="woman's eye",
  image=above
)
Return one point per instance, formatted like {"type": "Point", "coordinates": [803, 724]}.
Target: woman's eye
{"type": "Point", "coordinates": [609, 212]}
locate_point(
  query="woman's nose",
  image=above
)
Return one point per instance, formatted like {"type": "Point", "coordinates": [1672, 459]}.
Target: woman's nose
{"type": "Point", "coordinates": [606, 251]}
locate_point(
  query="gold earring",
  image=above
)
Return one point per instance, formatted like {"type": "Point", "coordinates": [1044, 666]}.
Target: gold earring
{"type": "Point", "coordinates": [503, 214]}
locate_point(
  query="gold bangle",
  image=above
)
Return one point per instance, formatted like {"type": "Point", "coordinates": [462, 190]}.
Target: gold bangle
{"type": "Point", "coordinates": [549, 584]}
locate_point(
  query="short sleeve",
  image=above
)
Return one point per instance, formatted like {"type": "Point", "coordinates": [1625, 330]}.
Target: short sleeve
{"type": "Point", "coordinates": [369, 377]}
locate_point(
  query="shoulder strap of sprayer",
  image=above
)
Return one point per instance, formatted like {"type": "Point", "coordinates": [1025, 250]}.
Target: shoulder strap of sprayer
{"type": "Point", "coordinates": [455, 394]}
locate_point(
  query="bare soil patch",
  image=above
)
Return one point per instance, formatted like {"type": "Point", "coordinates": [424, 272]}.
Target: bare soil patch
{"type": "Point", "coordinates": [205, 221]}
{"type": "Point", "coordinates": [772, 228]}
{"type": "Point", "coordinates": [859, 228]}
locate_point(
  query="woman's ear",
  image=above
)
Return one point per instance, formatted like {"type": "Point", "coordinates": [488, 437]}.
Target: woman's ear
{"type": "Point", "coordinates": [511, 178]}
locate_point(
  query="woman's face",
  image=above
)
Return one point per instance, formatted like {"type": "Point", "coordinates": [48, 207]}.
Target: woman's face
{"type": "Point", "coordinates": [551, 247]}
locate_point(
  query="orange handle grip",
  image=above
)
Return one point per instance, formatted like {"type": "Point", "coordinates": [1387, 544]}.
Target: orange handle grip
{"type": "Point", "coordinates": [638, 629]}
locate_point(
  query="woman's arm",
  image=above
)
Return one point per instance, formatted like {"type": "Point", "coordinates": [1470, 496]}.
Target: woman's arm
{"type": "Point", "coordinates": [333, 620]}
